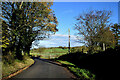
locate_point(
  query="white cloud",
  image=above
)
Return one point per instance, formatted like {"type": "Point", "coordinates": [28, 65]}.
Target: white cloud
{"type": "Point", "coordinates": [59, 40]}
{"type": "Point", "coordinates": [61, 35]}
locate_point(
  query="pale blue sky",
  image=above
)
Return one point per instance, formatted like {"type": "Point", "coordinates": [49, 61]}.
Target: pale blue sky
{"type": "Point", "coordinates": [66, 13]}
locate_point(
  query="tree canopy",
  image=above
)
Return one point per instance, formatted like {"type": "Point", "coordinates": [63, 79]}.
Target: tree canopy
{"type": "Point", "coordinates": [116, 32]}
{"type": "Point", "coordinates": [25, 22]}
{"type": "Point", "coordinates": [95, 27]}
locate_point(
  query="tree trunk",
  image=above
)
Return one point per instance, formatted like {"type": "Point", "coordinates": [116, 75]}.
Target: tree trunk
{"type": "Point", "coordinates": [104, 47]}
{"type": "Point", "coordinates": [19, 53]}
{"type": "Point", "coordinates": [27, 50]}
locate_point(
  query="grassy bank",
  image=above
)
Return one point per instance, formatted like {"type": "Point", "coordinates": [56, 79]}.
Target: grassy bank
{"type": "Point", "coordinates": [8, 69]}
{"type": "Point", "coordinates": [81, 74]}
{"type": "Point", "coordinates": [104, 65]}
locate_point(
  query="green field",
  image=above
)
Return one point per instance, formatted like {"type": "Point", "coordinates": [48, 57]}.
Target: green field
{"type": "Point", "coordinates": [48, 53]}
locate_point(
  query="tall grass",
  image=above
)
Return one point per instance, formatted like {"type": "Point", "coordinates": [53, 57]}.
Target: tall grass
{"type": "Point", "coordinates": [8, 68]}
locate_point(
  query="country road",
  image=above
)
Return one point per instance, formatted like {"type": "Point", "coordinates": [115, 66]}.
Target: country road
{"type": "Point", "coordinates": [44, 69]}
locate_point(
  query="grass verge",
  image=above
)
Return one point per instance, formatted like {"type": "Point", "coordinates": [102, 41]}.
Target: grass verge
{"type": "Point", "coordinates": [81, 74]}
{"type": "Point", "coordinates": [8, 69]}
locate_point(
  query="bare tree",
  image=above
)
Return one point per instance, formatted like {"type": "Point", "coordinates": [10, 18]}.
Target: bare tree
{"type": "Point", "coordinates": [90, 25]}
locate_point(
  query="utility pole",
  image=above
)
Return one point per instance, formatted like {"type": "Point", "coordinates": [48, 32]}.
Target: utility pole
{"type": "Point", "coordinates": [69, 41]}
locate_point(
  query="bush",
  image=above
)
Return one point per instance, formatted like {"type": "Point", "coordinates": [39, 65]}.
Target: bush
{"type": "Point", "coordinates": [8, 59]}
{"type": "Point", "coordinates": [103, 64]}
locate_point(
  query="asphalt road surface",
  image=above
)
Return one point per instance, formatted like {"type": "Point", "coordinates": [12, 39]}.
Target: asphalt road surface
{"type": "Point", "coordinates": [44, 69]}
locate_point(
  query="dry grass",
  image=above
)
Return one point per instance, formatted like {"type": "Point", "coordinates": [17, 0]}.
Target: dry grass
{"type": "Point", "coordinates": [8, 69]}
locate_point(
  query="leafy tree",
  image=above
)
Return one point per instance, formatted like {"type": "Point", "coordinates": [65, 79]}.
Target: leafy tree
{"type": "Point", "coordinates": [28, 21]}
{"type": "Point", "coordinates": [116, 31]}
{"type": "Point", "coordinates": [5, 41]}
{"type": "Point", "coordinates": [90, 25]}
{"type": "Point", "coordinates": [105, 38]}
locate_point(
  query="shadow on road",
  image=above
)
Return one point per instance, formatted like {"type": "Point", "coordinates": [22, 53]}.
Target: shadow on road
{"type": "Point", "coordinates": [58, 64]}
{"type": "Point", "coordinates": [52, 62]}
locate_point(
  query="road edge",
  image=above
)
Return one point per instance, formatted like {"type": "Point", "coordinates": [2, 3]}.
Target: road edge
{"type": "Point", "coordinates": [66, 69]}
{"type": "Point", "coordinates": [17, 72]}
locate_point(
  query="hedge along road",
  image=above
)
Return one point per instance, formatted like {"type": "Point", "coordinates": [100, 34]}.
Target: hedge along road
{"type": "Point", "coordinates": [44, 69]}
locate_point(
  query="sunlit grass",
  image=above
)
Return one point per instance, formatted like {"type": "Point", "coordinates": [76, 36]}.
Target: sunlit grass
{"type": "Point", "coordinates": [82, 74]}
{"type": "Point", "coordinates": [8, 69]}
{"type": "Point", "coordinates": [65, 62]}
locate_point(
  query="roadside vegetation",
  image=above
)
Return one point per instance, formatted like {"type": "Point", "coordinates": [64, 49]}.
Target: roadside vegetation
{"type": "Point", "coordinates": [8, 69]}
{"type": "Point", "coordinates": [81, 74]}
{"type": "Point", "coordinates": [99, 65]}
